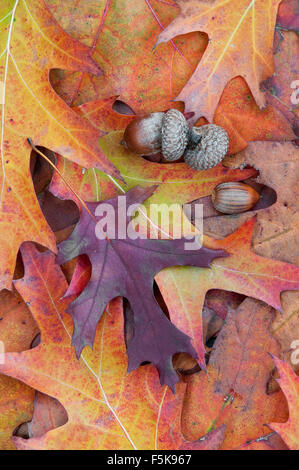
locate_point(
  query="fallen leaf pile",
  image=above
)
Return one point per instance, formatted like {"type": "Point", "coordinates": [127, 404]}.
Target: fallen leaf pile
{"type": "Point", "coordinates": [135, 342]}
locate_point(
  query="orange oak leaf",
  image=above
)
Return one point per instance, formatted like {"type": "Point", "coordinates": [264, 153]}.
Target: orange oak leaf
{"type": "Point", "coordinates": [240, 43]}
{"type": "Point", "coordinates": [122, 35]}
{"type": "Point", "coordinates": [289, 384]}
{"type": "Point", "coordinates": [32, 43]}
{"type": "Point", "coordinates": [184, 288]}
{"type": "Point", "coordinates": [98, 27]}
{"type": "Point", "coordinates": [233, 391]}
{"type": "Point", "coordinates": [106, 408]}
{"type": "Point", "coordinates": [48, 414]}
{"type": "Point", "coordinates": [281, 87]}
{"type": "Point", "coordinates": [238, 113]}
{"type": "Point", "coordinates": [17, 330]}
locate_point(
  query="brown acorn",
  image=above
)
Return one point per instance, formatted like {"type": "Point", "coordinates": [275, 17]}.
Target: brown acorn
{"type": "Point", "coordinates": [234, 197]}
{"type": "Point", "coordinates": [207, 147]}
{"type": "Point", "coordinates": [143, 135]}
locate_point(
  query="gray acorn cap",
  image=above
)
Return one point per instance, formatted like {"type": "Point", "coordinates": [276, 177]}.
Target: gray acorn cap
{"type": "Point", "coordinates": [207, 147]}
{"type": "Point", "coordinates": [175, 135]}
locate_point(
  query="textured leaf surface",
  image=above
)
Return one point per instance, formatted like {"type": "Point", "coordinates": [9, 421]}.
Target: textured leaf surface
{"type": "Point", "coordinates": [48, 414]}
{"type": "Point", "coordinates": [289, 383]}
{"type": "Point", "coordinates": [122, 34]}
{"type": "Point", "coordinates": [276, 225]}
{"type": "Point", "coordinates": [233, 390]}
{"type": "Point", "coordinates": [17, 330]}
{"type": "Point", "coordinates": [97, 25]}
{"type": "Point", "coordinates": [288, 15]}
{"type": "Point", "coordinates": [240, 43]}
{"type": "Point", "coordinates": [276, 231]}
{"type": "Point", "coordinates": [184, 288]}
{"type": "Point", "coordinates": [107, 409]}
{"type": "Point", "coordinates": [280, 91]}
{"type": "Point", "coordinates": [32, 43]}
{"type": "Point", "coordinates": [113, 273]}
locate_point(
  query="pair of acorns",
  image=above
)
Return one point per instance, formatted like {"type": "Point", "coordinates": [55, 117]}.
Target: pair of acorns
{"type": "Point", "coordinates": [203, 147]}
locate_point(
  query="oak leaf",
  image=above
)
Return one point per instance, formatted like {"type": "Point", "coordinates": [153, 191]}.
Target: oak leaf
{"type": "Point", "coordinates": [276, 230]}
{"type": "Point", "coordinates": [289, 383]}
{"type": "Point", "coordinates": [281, 87]}
{"type": "Point", "coordinates": [126, 266]}
{"type": "Point", "coordinates": [178, 183]}
{"type": "Point", "coordinates": [233, 390]}
{"type": "Point", "coordinates": [173, 63]}
{"type": "Point", "coordinates": [107, 409]}
{"type": "Point", "coordinates": [17, 330]}
{"type": "Point", "coordinates": [240, 43]}
{"type": "Point", "coordinates": [184, 288]}
{"type": "Point", "coordinates": [31, 44]}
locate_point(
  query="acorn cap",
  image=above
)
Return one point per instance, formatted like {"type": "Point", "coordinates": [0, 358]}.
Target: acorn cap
{"type": "Point", "coordinates": [207, 147]}
{"type": "Point", "coordinates": [175, 135]}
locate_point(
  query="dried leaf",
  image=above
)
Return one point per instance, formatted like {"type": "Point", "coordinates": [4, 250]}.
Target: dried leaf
{"type": "Point", "coordinates": [240, 43]}
{"type": "Point", "coordinates": [184, 288]}
{"type": "Point", "coordinates": [126, 266]}
{"type": "Point", "coordinates": [233, 390]}
{"type": "Point", "coordinates": [32, 43]}
{"type": "Point", "coordinates": [289, 383]}
{"type": "Point", "coordinates": [107, 409]}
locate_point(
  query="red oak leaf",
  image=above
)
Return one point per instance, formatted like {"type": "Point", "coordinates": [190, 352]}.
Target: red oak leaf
{"type": "Point", "coordinates": [126, 267]}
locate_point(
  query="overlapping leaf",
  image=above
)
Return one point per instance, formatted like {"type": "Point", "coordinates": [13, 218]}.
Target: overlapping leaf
{"type": "Point", "coordinates": [122, 34]}
{"type": "Point", "coordinates": [289, 383]}
{"type": "Point", "coordinates": [31, 44]}
{"type": "Point", "coordinates": [17, 330]}
{"type": "Point", "coordinates": [107, 409]}
{"type": "Point", "coordinates": [281, 87]}
{"type": "Point", "coordinates": [233, 391]}
{"type": "Point", "coordinates": [288, 15]}
{"type": "Point", "coordinates": [276, 232]}
{"type": "Point", "coordinates": [240, 43]}
{"type": "Point", "coordinates": [184, 288]}
{"type": "Point", "coordinates": [125, 264]}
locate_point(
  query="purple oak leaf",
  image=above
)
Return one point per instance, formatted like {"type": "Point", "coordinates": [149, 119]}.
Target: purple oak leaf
{"type": "Point", "coordinates": [126, 267]}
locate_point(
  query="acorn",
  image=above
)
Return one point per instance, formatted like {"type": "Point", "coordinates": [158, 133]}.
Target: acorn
{"type": "Point", "coordinates": [156, 132]}
{"type": "Point", "coordinates": [207, 147]}
{"type": "Point", "coordinates": [143, 135]}
{"type": "Point", "coordinates": [234, 197]}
